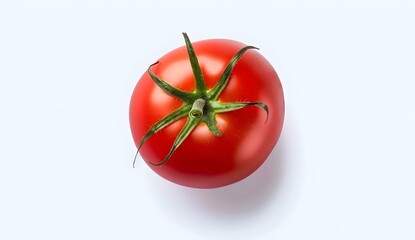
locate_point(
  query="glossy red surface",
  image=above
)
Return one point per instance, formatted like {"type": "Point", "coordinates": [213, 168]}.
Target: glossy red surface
{"type": "Point", "coordinates": [204, 160]}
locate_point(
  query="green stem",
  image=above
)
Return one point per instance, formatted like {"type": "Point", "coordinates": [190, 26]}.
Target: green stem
{"type": "Point", "coordinates": [224, 79]}
{"type": "Point", "coordinates": [186, 130]}
{"type": "Point", "coordinates": [197, 108]}
{"type": "Point", "coordinates": [184, 96]}
{"type": "Point", "coordinates": [197, 70]}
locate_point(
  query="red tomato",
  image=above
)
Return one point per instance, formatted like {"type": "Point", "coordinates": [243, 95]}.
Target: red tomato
{"type": "Point", "coordinates": [204, 160]}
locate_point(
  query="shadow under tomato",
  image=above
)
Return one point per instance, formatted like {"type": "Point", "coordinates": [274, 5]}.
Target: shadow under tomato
{"type": "Point", "coordinates": [257, 204]}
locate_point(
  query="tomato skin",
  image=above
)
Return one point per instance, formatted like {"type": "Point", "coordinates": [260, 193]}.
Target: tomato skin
{"type": "Point", "coordinates": [205, 160]}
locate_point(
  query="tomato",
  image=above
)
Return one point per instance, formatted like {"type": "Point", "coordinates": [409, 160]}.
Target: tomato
{"type": "Point", "coordinates": [207, 114]}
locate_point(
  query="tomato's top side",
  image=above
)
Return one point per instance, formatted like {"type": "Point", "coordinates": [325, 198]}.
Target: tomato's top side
{"type": "Point", "coordinates": [246, 141]}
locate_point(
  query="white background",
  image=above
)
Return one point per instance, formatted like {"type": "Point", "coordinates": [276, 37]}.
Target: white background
{"type": "Point", "coordinates": [344, 167]}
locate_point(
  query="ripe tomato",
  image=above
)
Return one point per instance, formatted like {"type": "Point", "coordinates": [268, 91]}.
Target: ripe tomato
{"type": "Point", "coordinates": [226, 135]}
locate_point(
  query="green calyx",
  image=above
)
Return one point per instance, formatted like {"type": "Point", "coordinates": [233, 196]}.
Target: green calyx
{"type": "Point", "coordinates": [199, 106]}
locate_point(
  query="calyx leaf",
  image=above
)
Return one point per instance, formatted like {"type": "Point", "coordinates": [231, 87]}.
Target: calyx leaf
{"type": "Point", "coordinates": [201, 105]}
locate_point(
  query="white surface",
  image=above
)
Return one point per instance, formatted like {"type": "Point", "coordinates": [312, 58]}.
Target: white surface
{"type": "Point", "coordinates": [343, 169]}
